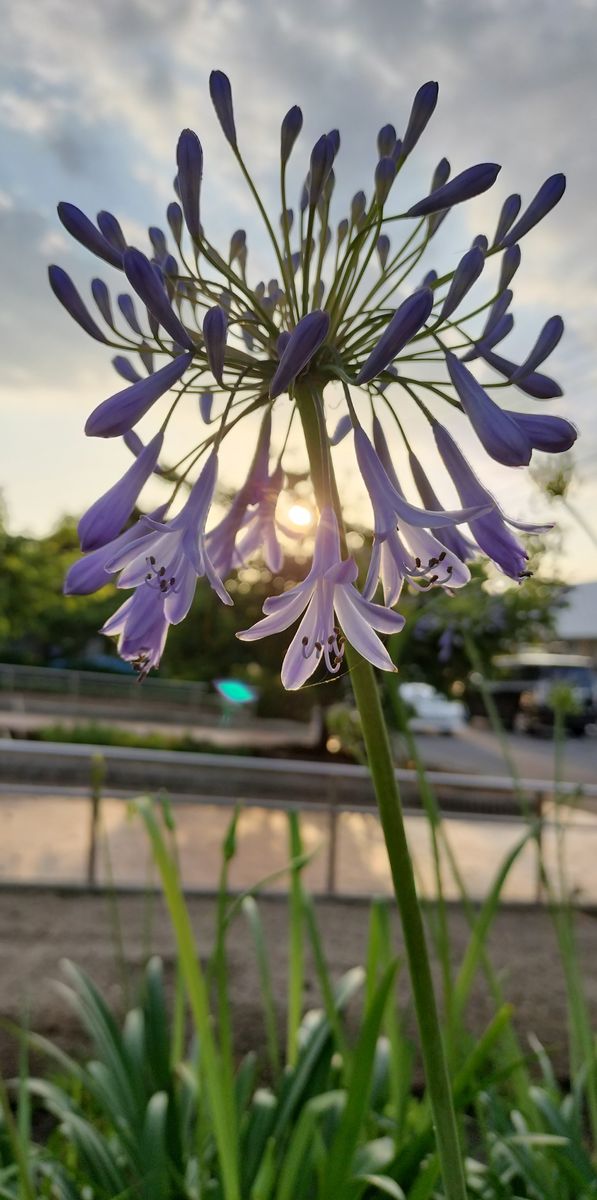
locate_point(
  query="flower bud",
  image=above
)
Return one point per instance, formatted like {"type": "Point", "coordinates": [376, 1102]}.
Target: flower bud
{"type": "Point", "coordinates": [66, 292]}
{"type": "Point", "coordinates": [189, 158]}
{"type": "Point", "coordinates": [221, 98]}
{"type": "Point", "coordinates": [469, 183]}
{"type": "Point", "coordinates": [291, 127]}
{"type": "Point", "coordinates": [215, 329]}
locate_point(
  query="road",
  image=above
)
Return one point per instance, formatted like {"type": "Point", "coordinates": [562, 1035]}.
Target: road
{"type": "Point", "coordinates": [475, 749]}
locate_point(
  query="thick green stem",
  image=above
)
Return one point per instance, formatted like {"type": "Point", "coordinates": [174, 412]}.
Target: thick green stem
{"type": "Point", "coordinates": [392, 820]}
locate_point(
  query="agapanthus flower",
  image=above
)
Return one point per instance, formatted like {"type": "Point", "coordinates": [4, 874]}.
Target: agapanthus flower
{"type": "Point", "coordinates": [351, 329]}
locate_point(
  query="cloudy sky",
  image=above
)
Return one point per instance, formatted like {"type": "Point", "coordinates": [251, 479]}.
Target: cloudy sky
{"type": "Point", "coordinates": [93, 97]}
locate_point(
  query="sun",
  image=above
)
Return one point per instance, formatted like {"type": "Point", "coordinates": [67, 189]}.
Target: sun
{"type": "Point", "coordinates": [300, 515]}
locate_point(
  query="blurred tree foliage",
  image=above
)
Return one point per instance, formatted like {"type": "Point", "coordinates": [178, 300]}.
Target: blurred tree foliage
{"type": "Point", "coordinates": [39, 625]}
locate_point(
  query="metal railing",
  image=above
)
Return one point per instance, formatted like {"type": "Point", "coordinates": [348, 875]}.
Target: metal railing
{"type": "Point", "coordinates": [100, 685]}
{"type": "Point", "coordinates": [282, 785]}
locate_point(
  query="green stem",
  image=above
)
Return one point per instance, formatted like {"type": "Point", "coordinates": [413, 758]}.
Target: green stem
{"type": "Point", "coordinates": [392, 820]}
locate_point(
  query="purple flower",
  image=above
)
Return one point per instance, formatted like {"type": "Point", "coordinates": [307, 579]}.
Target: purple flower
{"type": "Point", "coordinates": [450, 536]}
{"type": "Point", "coordinates": [215, 329]}
{"type": "Point", "coordinates": [333, 610]}
{"type": "Point", "coordinates": [304, 341]}
{"type": "Point", "coordinates": [546, 342]}
{"type": "Point", "coordinates": [490, 529]}
{"type": "Point", "coordinates": [343, 427]}
{"type": "Point", "coordinates": [510, 264]}
{"type": "Point", "coordinates": [407, 321]}
{"type": "Point", "coordinates": [358, 205]}
{"type": "Point", "coordinates": [291, 127]}
{"type": "Point", "coordinates": [259, 530]}
{"type": "Point", "coordinates": [551, 434]}
{"type": "Point", "coordinates": [120, 412]}
{"type": "Point", "coordinates": [84, 231]}
{"type": "Point", "coordinates": [409, 551]}
{"type": "Point", "coordinates": [509, 213]}
{"type": "Point", "coordinates": [221, 98]}
{"type": "Point", "coordinates": [127, 308]}
{"type": "Point", "coordinates": [466, 274]}
{"type": "Point", "coordinates": [142, 627]}
{"type": "Point", "coordinates": [104, 520]}
{"type": "Point", "coordinates": [66, 292]}
{"type": "Point", "coordinates": [144, 279]}
{"type": "Point", "coordinates": [541, 387]}
{"type": "Point", "coordinates": [469, 183]}
{"type": "Point", "coordinates": [88, 574]}
{"type": "Point", "coordinates": [101, 296]}
{"type": "Point", "coordinates": [385, 174]}
{"type": "Point", "coordinates": [422, 110]}
{"type": "Point", "coordinates": [175, 220]}
{"type": "Point", "coordinates": [390, 507]}
{"type": "Point", "coordinates": [173, 555]}
{"type": "Point", "coordinates": [189, 157]}
{"type": "Point", "coordinates": [322, 157]}
{"type": "Point", "coordinates": [549, 194]}
{"type": "Point", "coordinates": [125, 368]}
{"type": "Point", "coordinates": [502, 436]}
{"type": "Point", "coordinates": [386, 140]}
{"type": "Point", "coordinates": [206, 400]}
{"type": "Point", "coordinates": [383, 249]}
{"type": "Point", "coordinates": [110, 227]}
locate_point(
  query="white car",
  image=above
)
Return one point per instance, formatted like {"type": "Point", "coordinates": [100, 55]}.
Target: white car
{"type": "Point", "coordinates": [433, 713]}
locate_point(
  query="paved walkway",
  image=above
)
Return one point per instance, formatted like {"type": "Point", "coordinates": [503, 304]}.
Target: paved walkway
{"type": "Point", "coordinates": [45, 839]}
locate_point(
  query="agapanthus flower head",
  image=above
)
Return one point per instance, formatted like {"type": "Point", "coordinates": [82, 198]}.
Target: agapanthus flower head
{"type": "Point", "coordinates": [350, 328]}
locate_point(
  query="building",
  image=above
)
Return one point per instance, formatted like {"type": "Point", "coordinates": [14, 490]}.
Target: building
{"type": "Point", "coordinates": [576, 624]}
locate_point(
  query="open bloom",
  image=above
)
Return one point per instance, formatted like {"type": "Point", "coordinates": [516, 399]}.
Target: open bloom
{"type": "Point", "coordinates": [201, 338]}
{"type": "Point", "coordinates": [333, 611]}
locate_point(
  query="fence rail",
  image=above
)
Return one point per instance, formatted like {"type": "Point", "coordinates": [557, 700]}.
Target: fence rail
{"type": "Point", "coordinates": [283, 785]}
{"type": "Point", "coordinates": [99, 685]}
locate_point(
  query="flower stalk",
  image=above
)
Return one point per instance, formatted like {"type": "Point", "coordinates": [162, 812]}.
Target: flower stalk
{"type": "Point", "coordinates": [391, 814]}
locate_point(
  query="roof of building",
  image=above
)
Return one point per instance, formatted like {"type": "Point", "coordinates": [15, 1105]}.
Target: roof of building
{"type": "Point", "coordinates": [579, 618]}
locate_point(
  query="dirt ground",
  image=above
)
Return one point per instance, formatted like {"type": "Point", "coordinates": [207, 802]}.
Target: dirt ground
{"type": "Point", "coordinates": [40, 927]}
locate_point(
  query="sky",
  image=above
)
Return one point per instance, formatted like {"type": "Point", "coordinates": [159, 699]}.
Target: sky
{"type": "Point", "coordinates": [92, 99]}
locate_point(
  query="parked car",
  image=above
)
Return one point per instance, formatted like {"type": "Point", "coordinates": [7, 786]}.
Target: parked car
{"type": "Point", "coordinates": [430, 711]}
{"type": "Point", "coordinates": [523, 685]}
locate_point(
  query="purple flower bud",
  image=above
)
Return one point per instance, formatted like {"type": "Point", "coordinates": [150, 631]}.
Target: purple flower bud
{"type": "Point", "coordinates": [104, 520]}
{"type": "Point", "coordinates": [357, 208]}
{"type": "Point", "coordinates": [145, 280]}
{"type": "Point", "coordinates": [84, 231]}
{"type": "Point", "coordinates": [343, 427]}
{"type": "Point", "coordinates": [282, 342]}
{"type": "Point", "coordinates": [545, 344]}
{"type": "Point", "coordinates": [157, 238]}
{"type": "Point", "coordinates": [510, 265]}
{"type": "Point", "coordinates": [174, 215]}
{"type": "Point", "coordinates": [386, 140]}
{"type": "Point", "coordinates": [553, 435]}
{"type": "Point", "coordinates": [501, 436]}
{"type": "Point", "coordinates": [127, 308]}
{"type": "Point", "coordinates": [221, 98]}
{"type": "Point", "coordinates": [334, 139]}
{"type": "Point", "coordinates": [304, 341]}
{"type": "Point", "coordinates": [407, 320]}
{"type": "Point", "coordinates": [238, 243]}
{"type": "Point", "coordinates": [287, 219]}
{"type": "Point", "coordinates": [469, 183]}
{"type": "Point", "coordinates": [304, 200]}
{"type": "Point", "coordinates": [206, 400]}
{"type": "Point", "coordinates": [385, 174]}
{"type": "Point", "coordinates": [215, 330]}
{"type": "Point", "coordinates": [429, 279]}
{"type": "Point", "coordinates": [466, 274]}
{"type": "Point", "coordinates": [541, 387]}
{"type": "Point", "coordinates": [189, 158]}
{"type": "Point", "coordinates": [125, 368]}
{"type": "Point", "coordinates": [497, 333]}
{"type": "Point", "coordinates": [383, 249]}
{"type": "Point", "coordinates": [481, 242]}
{"type": "Point", "coordinates": [110, 227]}
{"type": "Point", "coordinates": [133, 443]}
{"type": "Point", "coordinates": [422, 110]}
{"type": "Point", "coordinates": [291, 127]}
{"type": "Point", "coordinates": [509, 213]}
{"type": "Point", "coordinates": [342, 230]}
{"type": "Point", "coordinates": [322, 157]}
{"type": "Point", "coordinates": [66, 292]}
{"type": "Point", "coordinates": [547, 197]}
{"type": "Point", "coordinates": [121, 412]}
{"type": "Point", "coordinates": [101, 296]}
{"type": "Point", "coordinates": [146, 356]}
{"type": "Point", "coordinates": [440, 175]}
